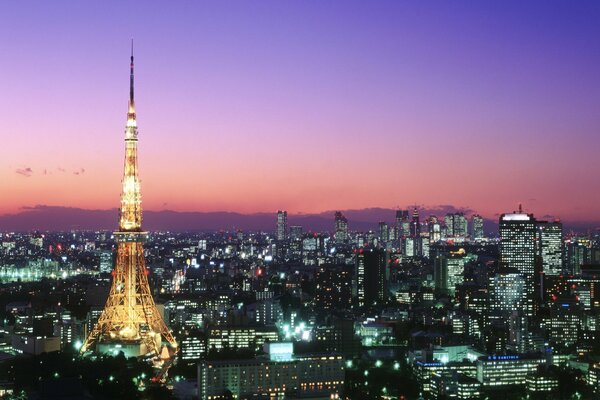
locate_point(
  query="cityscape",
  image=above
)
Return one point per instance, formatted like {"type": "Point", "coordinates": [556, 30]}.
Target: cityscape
{"type": "Point", "coordinates": [430, 299]}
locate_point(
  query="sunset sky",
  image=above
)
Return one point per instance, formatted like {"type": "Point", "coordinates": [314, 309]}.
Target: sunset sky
{"type": "Point", "coordinates": [304, 105]}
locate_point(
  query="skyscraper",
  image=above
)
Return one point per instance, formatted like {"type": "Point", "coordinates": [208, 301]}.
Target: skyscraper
{"type": "Point", "coordinates": [434, 228]}
{"type": "Point", "coordinates": [130, 319]}
{"type": "Point", "coordinates": [550, 247]}
{"type": "Point", "coordinates": [295, 232]}
{"type": "Point", "coordinates": [449, 225]}
{"type": "Point", "coordinates": [402, 223]}
{"type": "Point", "coordinates": [477, 224]}
{"type": "Point", "coordinates": [448, 270]}
{"type": "Point", "coordinates": [415, 225]}
{"type": "Point", "coordinates": [333, 287]}
{"type": "Point", "coordinates": [577, 253]}
{"type": "Point", "coordinates": [507, 291]}
{"type": "Point", "coordinates": [282, 225]}
{"type": "Point", "coordinates": [456, 225]}
{"type": "Point", "coordinates": [518, 234]}
{"type": "Point", "coordinates": [341, 227]}
{"type": "Point", "coordinates": [371, 276]}
{"type": "Point", "coordinates": [508, 307]}
{"type": "Point", "coordinates": [384, 233]}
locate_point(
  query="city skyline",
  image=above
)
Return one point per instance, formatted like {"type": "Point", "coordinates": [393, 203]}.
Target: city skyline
{"type": "Point", "coordinates": [342, 200]}
{"type": "Point", "coordinates": [462, 107]}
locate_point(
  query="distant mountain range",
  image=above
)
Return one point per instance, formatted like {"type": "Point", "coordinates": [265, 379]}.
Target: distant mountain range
{"type": "Point", "coordinates": [52, 218]}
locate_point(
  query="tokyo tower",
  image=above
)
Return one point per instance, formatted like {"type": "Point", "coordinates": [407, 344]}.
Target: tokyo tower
{"type": "Point", "coordinates": [130, 321]}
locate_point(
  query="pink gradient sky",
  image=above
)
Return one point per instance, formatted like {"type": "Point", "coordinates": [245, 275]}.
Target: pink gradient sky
{"type": "Point", "coordinates": [304, 106]}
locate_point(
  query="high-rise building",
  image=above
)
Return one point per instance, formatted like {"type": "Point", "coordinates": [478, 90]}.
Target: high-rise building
{"type": "Point", "coordinates": [371, 276]}
{"type": "Point", "coordinates": [282, 226]}
{"type": "Point", "coordinates": [563, 324]}
{"type": "Point", "coordinates": [449, 269]}
{"type": "Point", "coordinates": [341, 228]}
{"type": "Point", "coordinates": [295, 232]}
{"type": "Point", "coordinates": [333, 288]}
{"type": "Point", "coordinates": [434, 228]}
{"type": "Point", "coordinates": [449, 225]}
{"type": "Point", "coordinates": [415, 225]}
{"type": "Point", "coordinates": [518, 234]}
{"type": "Point", "coordinates": [384, 233]}
{"type": "Point", "coordinates": [578, 252]}
{"type": "Point", "coordinates": [506, 292]}
{"type": "Point", "coordinates": [550, 247]}
{"type": "Point", "coordinates": [130, 319]}
{"type": "Point", "coordinates": [106, 261]}
{"type": "Point", "coordinates": [477, 224]}
{"type": "Point", "coordinates": [456, 225]}
{"type": "Point", "coordinates": [402, 223]}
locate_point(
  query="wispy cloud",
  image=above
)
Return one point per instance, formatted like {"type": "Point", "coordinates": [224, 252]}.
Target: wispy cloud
{"type": "Point", "coordinates": [80, 171]}
{"type": "Point", "coordinates": [27, 171]}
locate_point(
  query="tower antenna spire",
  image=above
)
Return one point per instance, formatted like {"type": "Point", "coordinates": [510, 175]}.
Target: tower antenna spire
{"type": "Point", "coordinates": [131, 76]}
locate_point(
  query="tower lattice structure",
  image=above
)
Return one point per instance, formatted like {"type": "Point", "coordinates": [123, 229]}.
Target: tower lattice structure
{"type": "Point", "coordinates": [130, 315]}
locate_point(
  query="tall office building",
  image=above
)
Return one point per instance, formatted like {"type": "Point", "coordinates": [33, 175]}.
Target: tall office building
{"type": "Point", "coordinates": [518, 232]}
{"type": "Point", "coordinates": [384, 232]}
{"type": "Point", "coordinates": [402, 224]}
{"type": "Point", "coordinates": [434, 228]}
{"type": "Point", "coordinates": [506, 308]}
{"type": "Point", "coordinates": [477, 226]}
{"type": "Point", "coordinates": [408, 247]}
{"type": "Point", "coordinates": [341, 228]}
{"type": "Point", "coordinates": [448, 270]}
{"type": "Point", "coordinates": [295, 232]}
{"type": "Point", "coordinates": [456, 225]}
{"type": "Point", "coordinates": [577, 253]}
{"type": "Point", "coordinates": [550, 247]}
{"type": "Point", "coordinates": [415, 225]}
{"type": "Point", "coordinates": [449, 225]}
{"type": "Point", "coordinates": [282, 225]}
{"type": "Point", "coordinates": [333, 288]}
{"type": "Point", "coordinates": [507, 293]}
{"type": "Point", "coordinates": [371, 276]}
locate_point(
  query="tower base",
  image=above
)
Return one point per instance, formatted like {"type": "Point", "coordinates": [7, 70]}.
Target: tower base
{"type": "Point", "coordinates": [130, 349]}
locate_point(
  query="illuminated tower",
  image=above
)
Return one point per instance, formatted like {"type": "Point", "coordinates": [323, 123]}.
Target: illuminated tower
{"type": "Point", "coordinates": [130, 321]}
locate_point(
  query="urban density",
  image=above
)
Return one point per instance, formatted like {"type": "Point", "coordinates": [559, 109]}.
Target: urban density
{"type": "Point", "coordinates": [428, 307]}
{"type": "Point", "coordinates": [416, 305]}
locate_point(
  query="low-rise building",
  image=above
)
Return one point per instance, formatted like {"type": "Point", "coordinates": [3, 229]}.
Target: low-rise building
{"type": "Point", "coordinates": [507, 370]}
{"type": "Point", "coordinates": [278, 374]}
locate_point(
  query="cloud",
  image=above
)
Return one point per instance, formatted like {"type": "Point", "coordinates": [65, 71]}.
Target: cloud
{"type": "Point", "coordinates": [443, 209]}
{"type": "Point", "coordinates": [27, 171]}
{"type": "Point", "coordinates": [60, 169]}
{"type": "Point", "coordinates": [80, 171]}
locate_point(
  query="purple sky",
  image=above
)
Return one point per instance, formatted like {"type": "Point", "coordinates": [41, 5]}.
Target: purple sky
{"type": "Point", "coordinates": [305, 106]}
